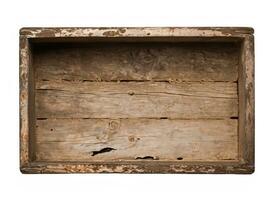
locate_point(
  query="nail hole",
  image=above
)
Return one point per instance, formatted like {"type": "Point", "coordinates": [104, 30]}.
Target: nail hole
{"type": "Point", "coordinates": [51, 129]}
{"type": "Point", "coordinates": [180, 158]}
{"type": "Point", "coordinates": [233, 117]}
{"type": "Point", "coordinates": [131, 93]}
{"type": "Point", "coordinates": [41, 118]}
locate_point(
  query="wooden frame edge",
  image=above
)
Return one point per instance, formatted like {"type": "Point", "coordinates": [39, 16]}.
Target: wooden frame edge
{"type": "Point", "coordinates": [143, 167]}
{"type": "Point", "coordinates": [249, 126]}
{"type": "Point", "coordinates": [46, 32]}
{"type": "Point", "coordinates": [24, 98]}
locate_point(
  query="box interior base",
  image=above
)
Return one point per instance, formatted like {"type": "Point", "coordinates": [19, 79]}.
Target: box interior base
{"type": "Point", "coordinates": [112, 101]}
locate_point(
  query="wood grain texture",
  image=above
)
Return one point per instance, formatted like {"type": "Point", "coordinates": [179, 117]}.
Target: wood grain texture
{"type": "Point", "coordinates": [136, 99]}
{"type": "Point", "coordinates": [247, 103]}
{"type": "Point", "coordinates": [25, 98]}
{"type": "Point", "coordinates": [130, 139]}
{"type": "Point", "coordinates": [138, 61]}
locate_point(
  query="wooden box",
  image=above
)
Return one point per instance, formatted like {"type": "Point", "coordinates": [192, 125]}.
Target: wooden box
{"type": "Point", "coordinates": [136, 100]}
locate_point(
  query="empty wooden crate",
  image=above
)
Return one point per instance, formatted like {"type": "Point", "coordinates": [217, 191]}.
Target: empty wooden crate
{"type": "Point", "coordinates": [137, 100]}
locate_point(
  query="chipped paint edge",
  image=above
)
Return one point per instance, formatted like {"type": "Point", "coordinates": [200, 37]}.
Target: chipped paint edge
{"type": "Point", "coordinates": [137, 32]}
{"type": "Point", "coordinates": [217, 168]}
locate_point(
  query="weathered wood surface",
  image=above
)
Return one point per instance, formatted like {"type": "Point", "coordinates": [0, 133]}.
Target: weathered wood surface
{"type": "Point", "coordinates": [24, 80]}
{"type": "Point", "coordinates": [130, 139]}
{"type": "Point", "coordinates": [126, 101]}
{"type": "Point", "coordinates": [147, 32]}
{"type": "Point", "coordinates": [247, 103]}
{"type": "Point", "coordinates": [57, 99]}
{"type": "Point", "coordinates": [139, 167]}
{"type": "Point", "coordinates": [138, 61]}
{"type": "Point", "coordinates": [201, 65]}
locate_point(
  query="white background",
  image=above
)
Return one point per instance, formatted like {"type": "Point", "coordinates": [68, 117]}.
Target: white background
{"type": "Point", "coordinates": [17, 14]}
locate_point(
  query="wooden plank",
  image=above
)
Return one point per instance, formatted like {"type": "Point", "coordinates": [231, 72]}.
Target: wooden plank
{"type": "Point", "coordinates": [55, 99]}
{"type": "Point", "coordinates": [193, 61]}
{"type": "Point", "coordinates": [131, 139]}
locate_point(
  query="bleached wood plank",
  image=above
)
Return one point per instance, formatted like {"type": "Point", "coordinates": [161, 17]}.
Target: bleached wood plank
{"type": "Point", "coordinates": [136, 99]}
{"type": "Point", "coordinates": [128, 139]}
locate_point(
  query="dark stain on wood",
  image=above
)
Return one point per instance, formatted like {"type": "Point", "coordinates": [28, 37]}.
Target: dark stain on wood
{"type": "Point", "coordinates": [104, 150]}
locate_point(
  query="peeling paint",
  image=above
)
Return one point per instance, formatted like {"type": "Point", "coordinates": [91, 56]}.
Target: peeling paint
{"type": "Point", "coordinates": [136, 32]}
{"type": "Point", "coordinates": [136, 168]}
{"type": "Point", "coordinates": [24, 133]}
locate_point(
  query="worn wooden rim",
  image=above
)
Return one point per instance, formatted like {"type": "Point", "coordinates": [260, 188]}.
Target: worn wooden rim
{"type": "Point", "coordinates": [137, 32]}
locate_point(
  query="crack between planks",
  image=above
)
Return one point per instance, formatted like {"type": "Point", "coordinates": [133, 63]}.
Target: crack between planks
{"type": "Point", "coordinates": [137, 118]}
{"type": "Point", "coordinates": [135, 94]}
{"type": "Point", "coordinates": [171, 81]}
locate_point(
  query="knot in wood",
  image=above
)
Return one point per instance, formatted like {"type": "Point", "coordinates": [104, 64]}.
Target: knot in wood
{"type": "Point", "coordinates": [113, 125]}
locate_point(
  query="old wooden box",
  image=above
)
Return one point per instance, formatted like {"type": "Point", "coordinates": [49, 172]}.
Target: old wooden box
{"type": "Point", "coordinates": [136, 100]}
